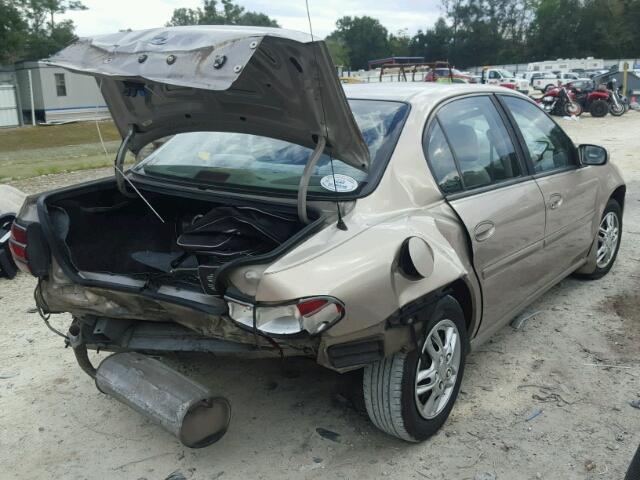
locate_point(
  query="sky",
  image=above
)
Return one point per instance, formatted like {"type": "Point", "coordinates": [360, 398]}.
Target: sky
{"type": "Point", "coordinates": [108, 16]}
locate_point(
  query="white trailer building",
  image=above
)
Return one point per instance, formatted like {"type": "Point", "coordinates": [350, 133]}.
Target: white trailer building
{"type": "Point", "coordinates": [566, 65]}
{"type": "Point", "coordinates": [9, 109]}
{"type": "Point", "coordinates": [52, 94]}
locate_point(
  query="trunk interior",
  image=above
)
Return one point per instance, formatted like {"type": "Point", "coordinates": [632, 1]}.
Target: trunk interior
{"type": "Point", "coordinates": [103, 231]}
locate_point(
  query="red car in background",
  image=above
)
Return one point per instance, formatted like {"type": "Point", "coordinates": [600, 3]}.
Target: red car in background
{"type": "Point", "coordinates": [444, 75]}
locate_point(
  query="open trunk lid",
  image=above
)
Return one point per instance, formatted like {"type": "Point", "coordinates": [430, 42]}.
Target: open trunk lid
{"type": "Point", "coordinates": [263, 81]}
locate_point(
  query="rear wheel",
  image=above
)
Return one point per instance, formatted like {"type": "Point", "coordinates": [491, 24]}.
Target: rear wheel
{"type": "Point", "coordinates": [599, 108]}
{"type": "Point", "coordinates": [410, 395]}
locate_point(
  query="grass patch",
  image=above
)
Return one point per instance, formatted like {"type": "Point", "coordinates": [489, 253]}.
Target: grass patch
{"type": "Point", "coordinates": [79, 133]}
{"type": "Point", "coordinates": [32, 151]}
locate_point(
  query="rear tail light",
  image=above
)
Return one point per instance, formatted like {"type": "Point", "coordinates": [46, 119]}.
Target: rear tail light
{"type": "Point", "coordinates": [29, 249]}
{"type": "Point", "coordinates": [19, 233]}
{"type": "Point", "coordinates": [311, 315]}
{"type": "Point", "coordinates": [18, 247]}
{"type": "Point", "coordinates": [18, 250]}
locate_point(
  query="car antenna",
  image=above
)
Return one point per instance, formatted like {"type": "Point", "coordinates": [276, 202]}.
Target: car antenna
{"type": "Point", "coordinates": [341, 225]}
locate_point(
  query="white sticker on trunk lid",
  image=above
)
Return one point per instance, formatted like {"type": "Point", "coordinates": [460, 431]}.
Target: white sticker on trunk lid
{"type": "Point", "coordinates": [343, 183]}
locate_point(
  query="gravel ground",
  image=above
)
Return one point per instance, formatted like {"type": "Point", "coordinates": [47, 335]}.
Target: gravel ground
{"type": "Point", "coordinates": [554, 371]}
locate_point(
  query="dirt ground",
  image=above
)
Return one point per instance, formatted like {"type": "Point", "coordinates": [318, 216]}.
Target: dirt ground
{"type": "Point", "coordinates": [542, 402]}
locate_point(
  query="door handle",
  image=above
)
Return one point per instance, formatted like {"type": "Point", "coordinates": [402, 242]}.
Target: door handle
{"type": "Point", "coordinates": [555, 201]}
{"type": "Point", "coordinates": [484, 230]}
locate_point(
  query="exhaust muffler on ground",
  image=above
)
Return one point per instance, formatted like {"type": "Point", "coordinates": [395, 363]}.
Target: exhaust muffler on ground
{"type": "Point", "coordinates": [181, 406]}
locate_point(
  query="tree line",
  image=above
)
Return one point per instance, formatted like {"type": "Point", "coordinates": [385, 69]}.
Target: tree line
{"type": "Point", "coordinates": [485, 32]}
{"type": "Point", "coordinates": [469, 32]}
{"type": "Point", "coordinates": [30, 30]}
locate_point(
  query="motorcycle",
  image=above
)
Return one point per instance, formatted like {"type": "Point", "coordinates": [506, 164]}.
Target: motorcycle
{"type": "Point", "coordinates": [593, 100]}
{"type": "Point", "coordinates": [617, 106]}
{"type": "Point", "coordinates": [560, 101]}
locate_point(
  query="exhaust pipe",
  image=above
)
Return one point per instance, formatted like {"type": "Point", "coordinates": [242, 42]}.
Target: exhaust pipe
{"type": "Point", "coordinates": [178, 404]}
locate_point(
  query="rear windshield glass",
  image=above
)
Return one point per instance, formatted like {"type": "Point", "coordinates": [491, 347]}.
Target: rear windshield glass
{"type": "Point", "coordinates": [244, 161]}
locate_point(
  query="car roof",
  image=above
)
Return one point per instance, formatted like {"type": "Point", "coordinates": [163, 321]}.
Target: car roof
{"type": "Point", "coordinates": [415, 92]}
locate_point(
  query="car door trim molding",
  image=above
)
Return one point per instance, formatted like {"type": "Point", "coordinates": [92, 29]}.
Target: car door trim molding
{"type": "Point", "coordinates": [559, 234]}
{"type": "Point", "coordinates": [490, 270]}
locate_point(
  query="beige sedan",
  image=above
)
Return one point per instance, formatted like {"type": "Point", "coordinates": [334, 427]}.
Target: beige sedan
{"type": "Point", "coordinates": [385, 227]}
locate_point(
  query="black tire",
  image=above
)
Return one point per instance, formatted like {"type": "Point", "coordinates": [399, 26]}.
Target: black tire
{"type": "Point", "coordinates": [599, 108]}
{"type": "Point", "coordinates": [572, 109]}
{"type": "Point", "coordinates": [634, 469]}
{"type": "Point", "coordinates": [548, 87]}
{"type": "Point", "coordinates": [617, 111]}
{"type": "Point", "coordinates": [612, 207]}
{"type": "Point", "coordinates": [389, 385]}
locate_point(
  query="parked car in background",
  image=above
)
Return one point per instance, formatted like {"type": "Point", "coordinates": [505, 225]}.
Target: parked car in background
{"type": "Point", "coordinates": [443, 75]}
{"type": "Point", "coordinates": [595, 73]}
{"type": "Point", "coordinates": [504, 78]}
{"type": "Point", "coordinates": [543, 81]}
{"type": "Point", "coordinates": [547, 81]}
{"type": "Point", "coordinates": [385, 227]}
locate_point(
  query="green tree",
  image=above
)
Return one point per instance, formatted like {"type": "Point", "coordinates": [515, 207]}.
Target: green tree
{"type": "Point", "coordinates": [365, 37]}
{"type": "Point", "coordinates": [13, 31]}
{"type": "Point", "coordinates": [399, 43]}
{"type": "Point", "coordinates": [554, 29]}
{"type": "Point", "coordinates": [220, 13]}
{"type": "Point", "coordinates": [434, 44]}
{"type": "Point", "coordinates": [338, 50]}
{"type": "Point", "coordinates": [29, 29]}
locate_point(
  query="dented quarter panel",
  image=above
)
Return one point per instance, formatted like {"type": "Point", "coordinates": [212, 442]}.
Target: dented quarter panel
{"type": "Point", "coordinates": [359, 266]}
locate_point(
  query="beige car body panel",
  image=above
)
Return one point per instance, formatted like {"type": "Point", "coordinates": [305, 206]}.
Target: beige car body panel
{"type": "Point", "coordinates": [359, 266]}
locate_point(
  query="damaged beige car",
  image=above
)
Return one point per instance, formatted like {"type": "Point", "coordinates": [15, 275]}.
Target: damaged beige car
{"type": "Point", "coordinates": [386, 227]}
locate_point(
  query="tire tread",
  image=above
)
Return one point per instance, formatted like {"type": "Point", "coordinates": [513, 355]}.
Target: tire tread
{"type": "Point", "coordinates": [383, 393]}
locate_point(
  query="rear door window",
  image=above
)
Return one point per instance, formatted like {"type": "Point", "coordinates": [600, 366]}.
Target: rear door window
{"type": "Point", "coordinates": [441, 160]}
{"type": "Point", "coordinates": [479, 141]}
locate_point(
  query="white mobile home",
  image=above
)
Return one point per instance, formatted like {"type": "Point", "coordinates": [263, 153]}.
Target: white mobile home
{"type": "Point", "coordinates": [566, 65]}
{"type": "Point", "coordinates": [9, 116]}
{"type": "Point", "coordinates": [56, 95]}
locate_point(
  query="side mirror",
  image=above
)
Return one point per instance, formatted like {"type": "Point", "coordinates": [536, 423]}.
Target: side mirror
{"type": "Point", "coordinates": [593, 155]}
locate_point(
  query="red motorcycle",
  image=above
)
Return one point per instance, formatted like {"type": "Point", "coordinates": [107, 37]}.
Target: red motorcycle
{"type": "Point", "coordinates": [560, 101]}
{"type": "Point", "coordinates": [593, 100]}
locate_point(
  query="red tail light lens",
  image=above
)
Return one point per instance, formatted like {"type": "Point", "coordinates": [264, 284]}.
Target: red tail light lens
{"type": "Point", "coordinates": [18, 251]}
{"type": "Point", "coordinates": [18, 247]}
{"type": "Point", "coordinates": [311, 306]}
{"type": "Point", "coordinates": [18, 233]}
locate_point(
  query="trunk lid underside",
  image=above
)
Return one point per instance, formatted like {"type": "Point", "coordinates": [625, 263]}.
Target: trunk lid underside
{"type": "Point", "coordinates": [269, 82]}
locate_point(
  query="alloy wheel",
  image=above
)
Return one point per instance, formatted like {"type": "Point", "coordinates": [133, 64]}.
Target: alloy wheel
{"type": "Point", "coordinates": [608, 237]}
{"type": "Point", "coordinates": [438, 368]}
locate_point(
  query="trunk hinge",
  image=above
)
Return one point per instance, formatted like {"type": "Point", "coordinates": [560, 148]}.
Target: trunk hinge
{"type": "Point", "coordinates": [306, 177]}
{"type": "Point", "coordinates": [119, 163]}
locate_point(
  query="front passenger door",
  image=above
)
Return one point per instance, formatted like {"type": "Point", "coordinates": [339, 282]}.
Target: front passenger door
{"type": "Point", "coordinates": [570, 192]}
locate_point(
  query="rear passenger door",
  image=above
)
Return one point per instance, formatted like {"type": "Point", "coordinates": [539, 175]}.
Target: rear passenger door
{"type": "Point", "coordinates": [570, 192]}
{"type": "Point", "coordinates": [473, 157]}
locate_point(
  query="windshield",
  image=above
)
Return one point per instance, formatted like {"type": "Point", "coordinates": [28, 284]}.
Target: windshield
{"type": "Point", "coordinates": [505, 73]}
{"type": "Point", "coordinates": [241, 161]}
